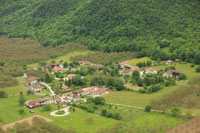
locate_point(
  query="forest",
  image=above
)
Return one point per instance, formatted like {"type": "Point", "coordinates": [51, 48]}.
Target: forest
{"type": "Point", "coordinates": [160, 29]}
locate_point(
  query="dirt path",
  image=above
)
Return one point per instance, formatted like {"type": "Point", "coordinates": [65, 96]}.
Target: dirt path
{"type": "Point", "coordinates": [48, 87]}
{"type": "Point", "coordinates": [29, 120]}
{"type": "Point", "coordinates": [135, 107]}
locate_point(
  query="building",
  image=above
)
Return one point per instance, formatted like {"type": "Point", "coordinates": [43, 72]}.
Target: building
{"type": "Point", "coordinates": [150, 70]}
{"type": "Point", "coordinates": [57, 69]}
{"type": "Point", "coordinates": [171, 73]}
{"type": "Point", "coordinates": [32, 80]}
{"type": "Point", "coordinates": [125, 64]}
{"type": "Point", "coordinates": [84, 63]}
{"type": "Point", "coordinates": [87, 91]}
{"type": "Point", "coordinates": [135, 69]}
{"type": "Point", "coordinates": [64, 87]}
{"type": "Point", "coordinates": [77, 93]}
{"type": "Point", "coordinates": [126, 71]}
{"type": "Point", "coordinates": [69, 76]}
{"type": "Point", "coordinates": [98, 65]}
{"type": "Point", "coordinates": [35, 103]}
{"type": "Point", "coordinates": [101, 92]}
{"type": "Point", "coordinates": [169, 62]}
{"type": "Point", "coordinates": [51, 65]}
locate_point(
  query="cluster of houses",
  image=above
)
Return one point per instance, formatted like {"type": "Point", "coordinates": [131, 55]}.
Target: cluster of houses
{"type": "Point", "coordinates": [127, 69]}
{"type": "Point", "coordinates": [68, 97]}
{"type": "Point", "coordinates": [33, 84]}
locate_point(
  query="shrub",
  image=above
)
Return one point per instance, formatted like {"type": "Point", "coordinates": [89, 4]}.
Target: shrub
{"type": "Point", "coordinates": [175, 112]}
{"type": "Point", "coordinates": [103, 112]}
{"type": "Point", "coordinates": [117, 116]}
{"type": "Point", "coordinates": [148, 108]}
{"type": "Point", "coordinates": [3, 94]}
{"type": "Point", "coordinates": [198, 69]}
{"type": "Point", "coordinates": [109, 114]}
{"type": "Point", "coordinates": [182, 76]}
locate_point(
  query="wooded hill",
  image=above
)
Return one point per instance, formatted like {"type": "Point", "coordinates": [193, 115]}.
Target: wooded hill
{"type": "Point", "coordinates": [144, 26]}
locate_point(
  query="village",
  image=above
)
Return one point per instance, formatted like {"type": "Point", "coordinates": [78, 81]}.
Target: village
{"type": "Point", "coordinates": [69, 95]}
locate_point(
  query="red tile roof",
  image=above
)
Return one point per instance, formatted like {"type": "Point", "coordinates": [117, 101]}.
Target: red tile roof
{"type": "Point", "coordinates": [135, 68]}
{"type": "Point", "coordinates": [29, 79]}
{"type": "Point", "coordinates": [85, 62]}
{"type": "Point", "coordinates": [69, 76]}
{"type": "Point", "coordinates": [78, 91]}
{"type": "Point", "coordinates": [101, 91]}
{"type": "Point", "coordinates": [126, 70]}
{"type": "Point", "coordinates": [57, 69]}
{"type": "Point", "coordinates": [125, 62]}
{"type": "Point", "coordinates": [64, 87]}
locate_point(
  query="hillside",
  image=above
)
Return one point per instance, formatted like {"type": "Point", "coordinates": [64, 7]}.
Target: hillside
{"type": "Point", "coordinates": [115, 25]}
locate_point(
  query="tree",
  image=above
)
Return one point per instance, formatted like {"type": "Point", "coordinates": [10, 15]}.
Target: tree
{"type": "Point", "coordinates": [3, 94]}
{"type": "Point", "coordinates": [46, 107]}
{"type": "Point", "coordinates": [182, 76]}
{"type": "Point", "coordinates": [103, 112]}
{"type": "Point", "coordinates": [198, 69]}
{"type": "Point", "coordinates": [148, 108]}
{"type": "Point", "coordinates": [136, 75]}
{"type": "Point", "coordinates": [21, 99]}
{"type": "Point", "coordinates": [175, 112]}
{"type": "Point", "coordinates": [99, 100]}
{"type": "Point", "coordinates": [48, 78]}
{"type": "Point", "coordinates": [65, 65]}
{"type": "Point", "coordinates": [21, 112]}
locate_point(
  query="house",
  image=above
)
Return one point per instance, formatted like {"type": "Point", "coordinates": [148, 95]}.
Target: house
{"type": "Point", "coordinates": [52, 65]}
{"type": "Point", "coordinates": [68, 94]}
{"type": "Point", "coordinates": [126, 71]}
{"type": "Point", "coordinates": [32, 80]}
{"type": "Point", "coordinates": [98, 65]}
{"type": "Point", "coordinates": [171, 73]}
{"type": "Point", "coordinates": [87, 91]}
{"type": "Point", "coordinates": [69, 76]}
{"type": "Point", "coordinates": [100, 92]}
{"type": "Point", "coordinates": [177, 60]}
{"type": "Point", "coordinates": [64, 87]}
{"type": "Point", "coordinates": [77, 93]}
{"type": "Point", "coordinates": [150, 70]}
{"type": "Point", "coordinates": [35, 103]}
{"type": "Point", "coordinates": [169, 62]}
{"type": "Point", "coordinates": [135, 69]}
{"type": "Point", "coordinates": [57, 69]}
{"type": "Point", "coordinates": [84, 63]}
{"type": "Point", "coordinates": [61, 65]}
{"type": "Point", "coordinates": [125, 64]}
{"type": "Point", "coordinates": [36, 88]}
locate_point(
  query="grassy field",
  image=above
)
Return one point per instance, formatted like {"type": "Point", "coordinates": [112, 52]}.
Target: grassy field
{"type": "Point", "coordinates": [135, 98]}
{"type": "Point", "coordinates": [15, 90]}
{"type": "Point", "coordinates": [65, 57]}
{"type": "Point", "coordinates": [135, 61]}
{"type": "Point", "coordinates": [183, 67]}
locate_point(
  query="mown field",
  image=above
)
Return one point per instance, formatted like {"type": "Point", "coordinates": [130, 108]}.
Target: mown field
{"type": "Point", "coordinates": [135, 61]}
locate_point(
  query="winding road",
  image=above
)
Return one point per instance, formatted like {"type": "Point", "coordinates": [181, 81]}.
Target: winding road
{"type": "Point", "coordinates": [49, 88]}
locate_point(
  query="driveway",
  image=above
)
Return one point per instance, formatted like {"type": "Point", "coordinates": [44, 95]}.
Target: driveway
{"type": "Point", "coordinates": [48, 87]}
{"type": "Point", "coordinates": [65, 109]}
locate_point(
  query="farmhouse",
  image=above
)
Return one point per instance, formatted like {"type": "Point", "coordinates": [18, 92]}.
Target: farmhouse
{"type": "Point", "coordinates": [126, 71]}
{"type": "Point", "coordinates": [169, 62]}
{"type": "Point", "coordinates": [100, 92]}
{"type": "Point", "coordinates": [171, 73]}
{"type": "Point", "coordinates": [77, 93]}
{"type": "Point", "coordinates": [84, 63]}
{"type": "Point", "coordinates": [135, 69]}
{"type": "Point", "coordinates": [87, 91]}
{"type": "Point", "coordinates": [150, 70]}
{"type": "Point", "coordinates": [125, 64]}
{"type": "Point", "coordinates": [69, 76]}
{"type": "Point", "coordinates": [33, 84]}
{"type": "Point", "coordinates": [35, 103]}
{"type": "Point", "coordinates": [64, 87]}
{"type": "Point", "coordinates": [52, 65]}
{"type": "Point", "coordinates": [32, 80]}
{"type": "Point", "coordinates": [57, 69]}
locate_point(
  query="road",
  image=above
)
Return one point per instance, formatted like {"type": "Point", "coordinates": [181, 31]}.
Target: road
{"type": "Point", "coordinates": [65, 109]}
{"type": "Point", "coordinates": [135, 107]}
{"type": "Point", "coordinates": [49, 88]}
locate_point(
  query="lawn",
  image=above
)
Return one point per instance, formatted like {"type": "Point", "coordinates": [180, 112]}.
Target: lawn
{"type": "Point", "coordinates": [183, 67]}
{"type": "Point", "coordinates": [135, 61]}
{"type": "Point", "coordinates": [136, 98]}
{"type": "Point", "coordinates": [65, 57]}
{"type": "Point", "coordinates": [15, 90]}
{"type": "Point", "coordinates": [135, 87]}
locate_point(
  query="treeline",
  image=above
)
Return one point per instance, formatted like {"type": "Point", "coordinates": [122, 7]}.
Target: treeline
{"type": "Point", "coordinates": [6, 80]}
{"type": "Point", "coordinates": [145, 27]}
{"type": "Point", "coordinates": [186, 97]}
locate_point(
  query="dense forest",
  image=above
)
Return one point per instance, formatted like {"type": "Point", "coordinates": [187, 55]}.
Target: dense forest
{"type": "Point", "coordinates": [160, 29]}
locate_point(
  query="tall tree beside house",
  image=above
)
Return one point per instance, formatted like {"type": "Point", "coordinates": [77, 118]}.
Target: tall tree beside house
{"type": "Point", "coordinates": [48, 78]}
{"type": "Point", "coordinates": [21, 99]}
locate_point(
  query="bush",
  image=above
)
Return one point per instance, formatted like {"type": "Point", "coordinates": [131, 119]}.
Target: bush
{"type": "Point", "coordinates": [198, 69]}
{"type": "Point", "coordinates": [103, 112]}
{"type": "Point", "coordinates": [182, 76]}
{"type": "Point", "coordinates": [109, 115]}
{"type": "Point", "coordinates": [175, 112]}
{"type": "Point", "coordinates": [117, 116]}
{"type": "Point", "coordinates": [46, 107]}
{"type": "Point", "coordinates": [148, 108]}
{"type": "Point", "coordinates": [3, 94]}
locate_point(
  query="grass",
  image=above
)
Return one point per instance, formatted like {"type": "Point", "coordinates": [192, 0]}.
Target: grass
{"type": "Point", "coordinates": [61, 112]}
{"type": "Point", "coordinates": [135, 87]}
{"type": "Point", "coordinates": [135, 61]}
{"type": "Point", "coordinates": [65, 57]}
{"type": "Point", "coordinates": [15, 90]}
{"type": "Point", "coordinates": [135, 98]}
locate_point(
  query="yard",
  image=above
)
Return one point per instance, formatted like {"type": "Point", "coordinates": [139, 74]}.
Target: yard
{"type": "Point", "coordinates": [15, 90]}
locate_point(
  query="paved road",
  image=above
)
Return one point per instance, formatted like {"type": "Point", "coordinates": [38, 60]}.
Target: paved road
{"type": "Point", "coordinates": [65, 109]}
{"type": "Point", "coordinates": [48, 87]}
{"type": "Point", "coordinates": [135, 107]}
